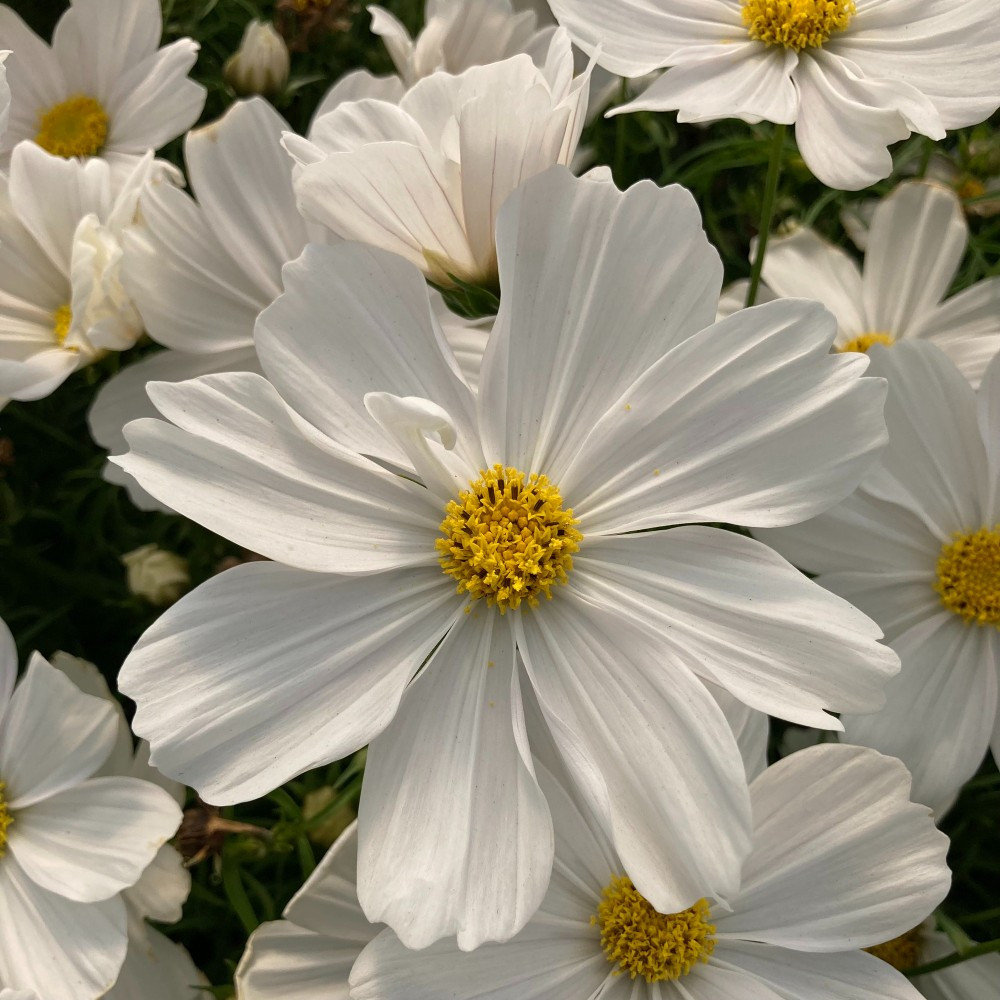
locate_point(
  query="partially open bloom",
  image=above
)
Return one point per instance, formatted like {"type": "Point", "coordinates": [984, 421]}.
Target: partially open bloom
{"type": "Point", "coordinates": [261, 64]}
{"type": "Point", "coordinates": [62, 303]}
{"type": "Point", "coordinates": [200, 271]}
{"type": "Point", "coordinates": [853, 76]}
{"type": "Point", "coordinates": [426, 177]}
{"type": "Point", "coordinates": [501, 538]}
{"type": "Point", "coordinates": [156, 574]}
{"type": "Point", "coordinates": [918, 548]}
{"type": "Point", "coordinates": [458, 35]}
{"type": "Point", "coordinates": [104, 88]}
{"type": "Point", "coordinates": [70, 843]}
{"type": "Point", "coordinates": [841, 860]}
{"type": "Point", "coordinates": [916, 242]}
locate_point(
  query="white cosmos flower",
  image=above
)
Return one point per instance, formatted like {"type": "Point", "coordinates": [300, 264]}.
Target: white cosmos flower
{"type": "Point", "coordinates": [918, 548]}
{"type": "Point", "coordinates": [608, 405]}
{"type": "Point", "coordinates": [458, 35]}
{"type": "Point", "coordinates": [426, 177]}
{"type": "Point", "coordinates": [62, 303]}
{"type": "Point", "coordinates": [975, 979]}
{"type": "Point", "coordinates": [104, 88]}
{"type": "Point", "coordinates": [155, 968]}
{"type": "Point", "coordinates": [70, 842]}
{"type": "Point", "coordinates": [841, 860]}
{"type": "Point", "coordinates": [853, 76]}
{"type": "Point", "coordinates": [309, 953]}
{"type": "Point", "coordinates": [200, 271]}
{"type": "Point", "coordinates": [917, 239]}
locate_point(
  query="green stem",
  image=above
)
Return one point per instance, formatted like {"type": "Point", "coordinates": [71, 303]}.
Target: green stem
{"type": "Point", "coordinates": [955, 959]}
{"type": "Point", "coordinates": [767, 212]}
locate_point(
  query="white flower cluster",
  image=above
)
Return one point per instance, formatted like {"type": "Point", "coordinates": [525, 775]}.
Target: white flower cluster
{"type": "Point", "coordinates": [499, 552]}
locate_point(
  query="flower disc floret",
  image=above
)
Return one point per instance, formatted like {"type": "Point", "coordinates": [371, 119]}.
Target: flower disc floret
{"type": "Point", "coordinates": [902, 952]}
{"type": "Point", "coordinates": [5, 818]}
{"type": "Point", "coordinates": [968, 576]}
{"type": "Point", "coordinates": [62, 320]}
{"type": "Point", "coordinates": [643, 942]}
{"type": "Point", "coordinates": [796, 24]}
{"type": "Point", "coordinates": [508, 538]}
{"type": "Point", "coordinates": [76, 127]}
{"type": "Point", "coordinates": [864, 341]}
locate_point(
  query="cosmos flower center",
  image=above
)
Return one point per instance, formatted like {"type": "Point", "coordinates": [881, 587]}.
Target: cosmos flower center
{"type": "Point", "coordinates": [62, 320]}
{"type": "Point", "coordinates": [5, 818]}
{"type": "Point", "coordinates": [901, 953]}
{"type": "Point", "coordinates": [643, 942]}
{"type": "Point", "coordinates": [75, 127]}
{"type": "Point", "coordinates": [508, 538]}
{"type": "Point", "coordinates": [796, 24]}
{"type": "Point", "coordinates": [862, 342]}
{"type": "Point", "coordinates": [968, 576]}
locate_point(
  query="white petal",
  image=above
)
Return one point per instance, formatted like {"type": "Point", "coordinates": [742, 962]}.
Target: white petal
{"type": "Point", "coordinates": [53, 735]}
{"type": "Point", "coordinates": [395, 37]}
{"type": "Point", "coordinates": [795, 975]}
{"type": "Point", "coordinates": [274, 653]}
{"type": "Point", "coordinates": [243, 181]}
{"type": "Point", "coordinates": [123, 399]}
{"type": "Point", "coordinates": [162, 888]}
{"type": "Point", "coordinates": [750, 727]}
{"type": "Point", "coordinates": [733, 610]}
{"type": "Point", "coordinates": [948, 50]}
{"type": "Point", "coordinates": [155, 101]}
{"type": "Point", "coordinates": [54, 946]}
{"type": "Point", "coordinates": [976, 979]}
{"type": "Point", "coordinates": [842, 859]}
{"type": "Point", "coordinates": [739, 80]}
{"type": "Point", "coordinates": [933, 467]}
{"type": "Point", "coordinates": [639, 36]}
{"type": "Point", "coordinates": [649, 747]}
{"type": "Point", "coordinates": [385, 340]}
{"type": "Point", "coordinates": [356, 85]}
{"type": "Point", "coordinates": [8, 665]}
{"type": "Point", "coordinates": [96, 41]}
{"type": "Point", "coordinates": [916, 242]}
{"type": "Point", "coordinates": [737, 425]}
{"type": "Point", "coordinates": [539, 964]}
{"type": "Point", "coordinates": [941, 708]}
{"type": "Point", "coordinates": [90, 842]}
{"type": "Point", "coordinates": [240, 464]}
{"type": "Point", "coordinates": [36, 376]}
{"type": "Point", "coordinates": [804, 265]}
{"type": "Point", "coordinates": [355, 124]}
{"type": "Point", "coordinates": [845, 123]}
{"type": "Point", "coordinates": [551, 368]}
{"type": "Point", "coordinates": [717, 981]}
{"type": "Point", "coordinates": [190, 290]}
{"type": "Point", "coordinates": [158, 969]}
{"type": "Point", "coordinates": [454, 834]}
{"type": "Point", "coordinates": [988, 417]}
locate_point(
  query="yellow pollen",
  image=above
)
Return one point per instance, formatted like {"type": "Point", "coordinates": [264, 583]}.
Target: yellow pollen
{"type": "Point", "coordinates": [971, 188]}
{"type": "Point", "coordinates": [5, 819]}
{"type": "Point", "coordinates": [76, 127]}
{"type": "Point", "coordinates": [901, 953]}
{"type": "Point", "coordinates": [796, 24]}
{"type": "Point", "coordinates": [644, 942]}
{"type": "Point", "coordinates": [62, 320]}
{"type": "Point", "coordinates": [861, 344]}
{"type": "Point", "coordinates": [968, 576]}
{"type": "Point", "coordinates": [507, 538]}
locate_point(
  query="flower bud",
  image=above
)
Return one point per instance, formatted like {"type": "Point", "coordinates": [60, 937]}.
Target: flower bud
{"type": "Point", "coordinates": [261, 64]}
{"type": "Point", "coordinates": [159, 576]}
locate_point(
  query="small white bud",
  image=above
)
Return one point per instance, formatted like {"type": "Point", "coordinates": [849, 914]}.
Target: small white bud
{"type": "Point", "coordinates": [261, 64]}
{"type": "Point", "coordinates": [159, 576]}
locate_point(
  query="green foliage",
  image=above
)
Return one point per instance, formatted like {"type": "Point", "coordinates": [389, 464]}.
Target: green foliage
{"type": "Point", "coordinates": [63, 529]}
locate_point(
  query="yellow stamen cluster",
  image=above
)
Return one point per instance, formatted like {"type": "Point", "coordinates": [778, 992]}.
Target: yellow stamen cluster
{"type": "Point", "coordinates": [796, 24]}
{"type": "Point", "coordinates": [5, 819]}
{"type": "Point", "coordinates": [968, 576]}
{"type": "Point", "coordinates": [643, 942]}
{"type": "Point", "coordinates": [76, 127]}
{"type": "Point", "coordinates": [301, 6]}
{"type": "Point", "coordinates": [508, 539]}
{"type": "Point", "coordinates": [62, 320]}
{"type": "Point", "coordinates": [861, 343]}
{"type": "Point", "coordinates": [901, 953]}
